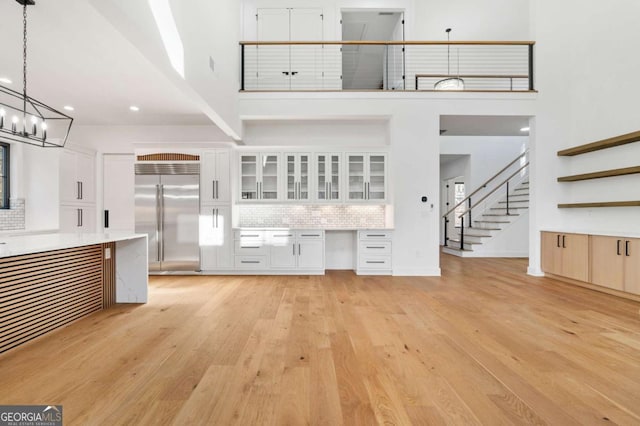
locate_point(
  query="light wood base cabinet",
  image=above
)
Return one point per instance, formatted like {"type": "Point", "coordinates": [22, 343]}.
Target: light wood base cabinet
{"type": "Point", "coordinates": [600, 262]}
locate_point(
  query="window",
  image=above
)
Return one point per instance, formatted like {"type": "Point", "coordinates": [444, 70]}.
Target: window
{"type": "Point", "coordinates": [458, 197]}
{"type": "Point", "coordinates": [4, 176]}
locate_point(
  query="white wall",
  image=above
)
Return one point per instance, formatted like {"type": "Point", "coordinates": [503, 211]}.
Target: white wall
{"type": "Point", "coordinates": [586, 73]}
{"type": "Point", "coordinates": [488, 154]}
{"type": "Point", "coordinates": [368, 133]}
{"type": "Point", "coordinates": [414, 156]}
{"type": "Point", "coordinates": [40, 178]}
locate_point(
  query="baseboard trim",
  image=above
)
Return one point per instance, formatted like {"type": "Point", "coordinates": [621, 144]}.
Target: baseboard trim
{"type": "Point", "coordinates": [594, 287]}
{"type": "Point", "coordinates": [535, 272]}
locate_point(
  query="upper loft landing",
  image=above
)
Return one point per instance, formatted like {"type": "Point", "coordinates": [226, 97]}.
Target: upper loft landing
{"type": "Point", "coordinates": [400, 66]}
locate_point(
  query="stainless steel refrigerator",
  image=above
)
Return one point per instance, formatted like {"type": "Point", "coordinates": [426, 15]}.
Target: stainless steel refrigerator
{"type": "Point", "coordinates": [167, 208]}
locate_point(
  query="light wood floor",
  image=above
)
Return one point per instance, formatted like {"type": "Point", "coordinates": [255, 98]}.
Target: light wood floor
{"type": "Point", "coordinates": [484, 344]}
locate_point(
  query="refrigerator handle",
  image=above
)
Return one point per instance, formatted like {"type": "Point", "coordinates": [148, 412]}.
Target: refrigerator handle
{"type": "Point", "coordinates": [213, 189]}
{"type": "Point", "coordinates": [213, 218]}
{"type": "Point", "coordinates": [162, 220]}
{"type": "Point", "coordinates": [217, 218]}
{"type": "Point", "coordinates": [217, 189]}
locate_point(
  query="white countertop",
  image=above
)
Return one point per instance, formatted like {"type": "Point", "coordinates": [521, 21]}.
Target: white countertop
{"type": "Point", "coordinates": [617, 234]}
{"type": "Point", "coordinates": [15, 245]}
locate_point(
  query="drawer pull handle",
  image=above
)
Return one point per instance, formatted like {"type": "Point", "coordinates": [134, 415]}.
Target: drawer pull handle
{"type": "Point", "coordinates": [310, 235]}
{"type": "Point", "coordinates": [251, 247]}
{"type": "Point", "coordinates": [283, 236]}
{"type": "Point", "coordinates": [249, 236]}
{"type": "Point", "coordinates": [376, 235]}
{"type": "Point", "coordinates": [375, 247]}
{"type": "Point", "coordinates": [376, 261]}
{"type": "Point", "coordinates": [249, 261]}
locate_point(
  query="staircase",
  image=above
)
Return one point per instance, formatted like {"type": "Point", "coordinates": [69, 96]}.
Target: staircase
{"type": "Point", "coordinates": [499, 221]}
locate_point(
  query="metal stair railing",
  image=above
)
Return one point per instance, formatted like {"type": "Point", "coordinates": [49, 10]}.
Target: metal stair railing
{"type": "Point", "coordinates": [471, 205]}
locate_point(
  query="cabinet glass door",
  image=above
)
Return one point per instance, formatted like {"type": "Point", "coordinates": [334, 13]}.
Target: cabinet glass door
{"type": "Point", "coordinates": [291, 177]}
{"type": "Point", "coordinates": [303, 178]}
{"type": "Point", "coordinates": [376, 177]}
{"type": "Point", "coordinates": [269, 187]}
{"type": "Point", "coordinates": [323, 178]}
{"type": "Point", "coordinates": [334, 182]}
{"type": "Point", "coordinates": [356, 177]}
{"type": "Point", "coordinates": [249, 177]}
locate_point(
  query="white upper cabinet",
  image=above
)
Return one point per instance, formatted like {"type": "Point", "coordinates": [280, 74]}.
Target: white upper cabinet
{"type": "Point", "coordinates": [215, 177]}
{"type": "Point", "coordinates": [298, 177]}
{"type": "Point", "coordinates": [328, 169]}
{"type": "Point", "coordinates": [259, 177]}
{"type": "Point", "coordinates": [367, 177]}
{"type": "Point", "coordinates": [77, 178]}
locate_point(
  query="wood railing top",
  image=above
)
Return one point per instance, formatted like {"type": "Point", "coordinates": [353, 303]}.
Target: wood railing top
{"type": "Point", "coordinates": [387, 43]}
{"type": "Point", "coordinates": [603, 144]}
{"type": "Point", "coordinates": [602, 174]}
{"type": "Point", "coordinates": [600, 204]}
{"type": "Point", "coordinates": [471, 75]}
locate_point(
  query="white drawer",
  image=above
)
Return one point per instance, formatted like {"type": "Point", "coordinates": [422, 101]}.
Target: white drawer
{"type": "Point", "coordinates": [374, 262]}
{"type": "Point", "coordinates": [248, 234]}
{"type": "Point", "coordinates": [374, 235]}
{"type": "Point", "coordinates": [375, 248]}
{"type": "Point", "coordinates": [249, 247]}
{"type": "Point", "coordinates": [251, 262]}
{"type": "Point", "coordinates": [310, 234]}
{"type": "Point", "coordinates": [280, 237]}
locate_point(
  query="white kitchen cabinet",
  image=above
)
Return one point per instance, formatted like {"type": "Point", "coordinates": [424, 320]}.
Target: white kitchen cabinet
{"type": "Point", "coordinates": [311, 254]}
{"type": "Point", "coordinates": [297, 176]}
{"type": "Point", "coordinates": [259, 176]}
{"type": "Point", "coordinates": [215, 177]}
{"type": "Point", "coordinates": [367, 177]}
{"type": "Point", "coordinates": [119, 192]}
{"type": "Point", "coordinates": [77, 178]}
{"type": "Point", "coordinates": [328, 172]}
{"type": "Point", "coordinates": [374, 252]}
{"type": "Point", "coordinates": [80, 219]}
{"type": "Point", "coordinates": [216, 238]}
{"type": "Point", "coordinates": [282, 249]}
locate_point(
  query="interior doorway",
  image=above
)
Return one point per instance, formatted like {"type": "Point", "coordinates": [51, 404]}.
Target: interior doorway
{"type": "Point", "coordinates": [372, 67]}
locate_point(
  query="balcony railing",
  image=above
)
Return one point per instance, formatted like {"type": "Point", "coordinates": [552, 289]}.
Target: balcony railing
{"type": "Point", "coordinates": [483, 66]}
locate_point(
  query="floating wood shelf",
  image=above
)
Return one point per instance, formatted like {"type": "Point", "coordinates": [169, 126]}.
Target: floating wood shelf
{"type": "Point", "coordinates": [603, 144]}
{"type": "Point", "coordinates": [603, 204]}
{"type": "Point", "coordinates": [602, 174]}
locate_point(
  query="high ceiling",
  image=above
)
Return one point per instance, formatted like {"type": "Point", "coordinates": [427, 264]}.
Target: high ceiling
{"type": "Point", "coordinates": [77, 58]}
{"type": "Point", "coordinates": [483, 125]}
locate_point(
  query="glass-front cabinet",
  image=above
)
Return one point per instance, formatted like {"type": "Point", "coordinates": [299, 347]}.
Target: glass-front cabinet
{"type": "Point", "coordinates": [328, 171]}
{"type": "Point", "coordinates": [298, 176]}
{"type": "Point", "coordinates": [367, 177]}
{"type": "Point", "coordinates": [259, 176]}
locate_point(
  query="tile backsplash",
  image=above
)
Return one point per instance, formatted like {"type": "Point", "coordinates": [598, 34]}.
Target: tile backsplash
{"type": "Point", "coordinates": [13, 218]}
{"type": "Point", "coordinates": [302, 216]}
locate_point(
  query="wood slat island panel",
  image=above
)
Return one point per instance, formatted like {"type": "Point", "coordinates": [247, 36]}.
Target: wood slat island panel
{"type": "Point", "coordinates": [40, 292]}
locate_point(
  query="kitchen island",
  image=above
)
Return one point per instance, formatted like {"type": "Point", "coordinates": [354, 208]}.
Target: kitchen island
{"type": "Point", "coordinates": [50, 280]}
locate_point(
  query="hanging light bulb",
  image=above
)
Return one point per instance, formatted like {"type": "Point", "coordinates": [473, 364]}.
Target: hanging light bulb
{"type": "Point", "coordinates": [2, 114]}
{"type": "Point", "coordinates": [34, 125]}
{"type": "Point", "coordinates": [44, 131]}
{"type": "Point", "coordinates": [14, 123]}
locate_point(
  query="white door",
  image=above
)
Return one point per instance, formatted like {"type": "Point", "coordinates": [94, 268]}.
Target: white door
{"type": "Point", "coordinates": [208, 177]}
{"type": "Point", "coordinates": [328, 180]}
{"type": "Point", "coordinates": [356, 177]}
{"type": "Point", "coordinates": [216, 238]}
{"type": "Point", "coordinates": [269, 176]}
{"type": "Point", "coordinates": [223, 176]}
{"type": "Point", "coordinates": [70, 219]}
{"type": "Point", "coordinates": [69, 184]}
{"type": "Point", "coordinates": [298, 176]}
{"type": "Point", "coordinates": [85, 169]}
{"type": "Point", "coordinates": [119, 192]}
{"type": "Point", "coordinates": [310, 255]}
{"type": "Point", "coordinates": [273, 66]}
{"type": "Point", "coordinates": [249, 183]}
{"type": "Point", "coordinates": [283, 253]}
{"type": "Point", "coordinates": [306, 60]}
{"type": "Point", "coordinates": [376, 177]}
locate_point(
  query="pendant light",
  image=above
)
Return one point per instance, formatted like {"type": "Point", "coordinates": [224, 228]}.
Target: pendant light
{"type": "Point", "coordinates": [450, 83]}
{"type": "Point", "coordinates": [27, 120]}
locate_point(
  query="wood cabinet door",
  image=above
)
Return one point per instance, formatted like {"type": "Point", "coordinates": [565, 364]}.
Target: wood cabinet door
{"type": "Point", "coordinates": [575, 256]}
{"type": "Point", "coordinates": [607, 261]}
{"type": "Point", "coordinates": [551, 253]}
{"type": "Point", "coordinates": [631, 251]}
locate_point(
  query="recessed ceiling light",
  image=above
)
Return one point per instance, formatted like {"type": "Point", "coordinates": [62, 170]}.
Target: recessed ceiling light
{"type": "Point", "coordinates": [5, 80]}
{"type": "Point", "coordinates": [524, 129]}
{"type": "Point", "coordinates": [68, 107]}
{"type": "Point", "coordinates": [134, 108]}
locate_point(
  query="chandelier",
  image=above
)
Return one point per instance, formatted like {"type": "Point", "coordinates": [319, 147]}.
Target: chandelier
{"type": "Point", "coordinates": [27, 120]}
{"type": "Point", "coordinates": [450, 83]}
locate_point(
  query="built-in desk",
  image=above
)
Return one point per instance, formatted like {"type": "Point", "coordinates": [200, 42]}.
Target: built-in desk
{"type": "Point", "coordinates": [50, 280]}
